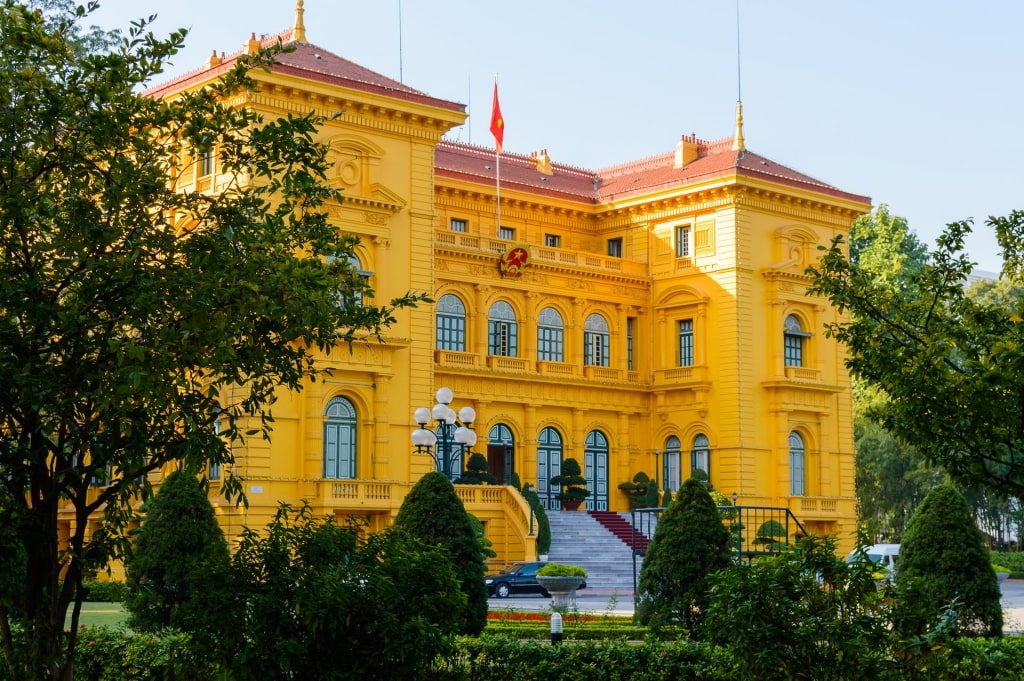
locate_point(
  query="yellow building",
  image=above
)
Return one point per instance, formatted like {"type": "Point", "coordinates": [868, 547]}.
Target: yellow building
{"type": "Point", "coordinates": [647, 317]}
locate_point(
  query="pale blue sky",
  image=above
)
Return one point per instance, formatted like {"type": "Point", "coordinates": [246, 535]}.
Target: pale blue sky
{"type": "Point", "coordinates": [917, 105]}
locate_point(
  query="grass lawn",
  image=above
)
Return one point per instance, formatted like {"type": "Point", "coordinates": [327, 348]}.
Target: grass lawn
{"type": "Point", "coordinates": [96, 614]}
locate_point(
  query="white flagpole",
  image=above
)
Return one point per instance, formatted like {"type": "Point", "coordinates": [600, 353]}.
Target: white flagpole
{"type": "Point", "coordinates": [497, 165]}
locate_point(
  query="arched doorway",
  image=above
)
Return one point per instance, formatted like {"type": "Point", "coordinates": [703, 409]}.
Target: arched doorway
{"type": "Point", "coordinates": [549, 464]}
{"type": "Point", "coordinates": [595, 470]}
{"type": "Point", "coordinates": [500, 453]}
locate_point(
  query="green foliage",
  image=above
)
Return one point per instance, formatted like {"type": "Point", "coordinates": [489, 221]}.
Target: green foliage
{"type": "Point", "coordinates": [516, 482]}
{"type": "Point", "coordinates": [127, 303]}
{"type": "Point", "coordinates": [1013, 560]}
{"type": "Point", "coordinates": [930, 348]}
{"type": "Point", "coordinates": [561, 570]}
{"type": "Point", "coordinates": [667, 499]}
{"type": "Point", "coordinates": [433, 513]}
{"type": "Point", "coordinates": [689, 543]}
{"type": "Point", "coordinates": [540, 515]}
{"type": "Point", "coordinates": [485, 543]}
{"type": "Point", "coordinates": [571, 482]}
{"type": "Point", "coordinates": [501, 658]}
{"type": "Point", "coordinates": [477, 472]}
{"type": "Point", "coordinates": [315, 600]}
{"type": "Point", "coordinates": [653, 497]}
{"type": "Point", "coordinates": [108, 654]}
{"type": "Point", "coordinates": [892, 479]}
{"type": "Point", "coordinates": [943, 562]}
{"type": "Point", "coordinates": [636, 489]}
{"type": "Point", "coordinates": [180, 564]}
{"type": "Point", "coordinates": [801, 614]}
{"type": "Point", "coordinates": [105, 591]}
{"type": "Point", "coordinates": [883, 244]}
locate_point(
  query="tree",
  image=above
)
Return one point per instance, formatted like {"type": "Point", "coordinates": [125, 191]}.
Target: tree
{"type": "Point", "coordinates": [315, 600]}
{"type": "Point", "coordinates": [433, 513]}
{"type": "Point", "coordinates": [943, 561]}
{"type": "Point", "coordinates": [477, 472]}
{"type": "Point", "coordinates": [180, 562]}
{"type": "Point", "coordinates": [883, 244]}
{"type": "Point", "coordinates": [127, 305]}
{"type": "Point", "coordinates": [891, 480]}
{"type": "Point", "coordinates": [689, 543]}
{"type": "Point", "coordinates": [570, 483]}
{"type": "Point", "coordinates": [803, 614]}
{"type": "Point", "coordinates": [950, 367]}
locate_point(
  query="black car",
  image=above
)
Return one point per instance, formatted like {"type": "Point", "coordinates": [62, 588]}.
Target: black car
{"type": "Point", "coordinates": [517, 578]}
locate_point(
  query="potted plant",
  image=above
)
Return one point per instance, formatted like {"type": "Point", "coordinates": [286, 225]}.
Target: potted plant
{"type": "Point", "coordinates": [561, 581]}
{"type": "Point", "coordinates": [571, 482]}
{"type": "Point", "coordinates": [636, 489]}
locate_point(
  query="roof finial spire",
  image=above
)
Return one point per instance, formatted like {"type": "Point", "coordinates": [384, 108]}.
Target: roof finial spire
{"type": "Point", "coordinates": [737, 141]}
{"type": "Point", "coordinates": [299, 30]}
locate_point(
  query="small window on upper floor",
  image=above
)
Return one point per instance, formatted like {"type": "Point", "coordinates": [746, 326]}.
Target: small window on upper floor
{"type": "Point", "coordinates": [793, 342]}
{"type": "Point", "coordinates": [506, 233]}
{"type": "Point", "coordinates": [683, 241]}
{"type": "Point", "coordinates": [552, 240]}
{"type": "Point", "coordinates": [206, 163]}
{"type": "Point", "coordinates": [458, 225]}
{"type": "Point", "coordinates": [615, 247]}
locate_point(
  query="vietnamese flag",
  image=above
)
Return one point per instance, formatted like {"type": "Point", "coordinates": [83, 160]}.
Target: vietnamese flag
{"type": "Point", "coordinates": [497, 122]}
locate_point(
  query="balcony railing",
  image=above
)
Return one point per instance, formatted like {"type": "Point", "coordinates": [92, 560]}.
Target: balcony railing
{"type": "Point", "coordinates": [502, 363]}
{"type": "Point", "coordinates": [551, 256]}
{"type": "Point", "coordinates": [681, 376]}
{"type": "Point", "coordinates": [803, 374]}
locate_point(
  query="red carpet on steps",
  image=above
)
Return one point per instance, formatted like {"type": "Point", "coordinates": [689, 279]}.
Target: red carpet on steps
{"type": "Point", "coordinates": [621, 528]}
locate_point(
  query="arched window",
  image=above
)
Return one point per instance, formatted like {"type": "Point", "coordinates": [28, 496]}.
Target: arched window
{"type": "Point", "coordinates": [793, 342]}
{"type": "Point", "coordinates": [796, 465]}
{"type": "Point", "coordinates": [595, 470]}
{"type": "Point", "coordinates": [550, 336]}
{"type": "Point", "coordinates": [501, 448]}
{"type": "Point", "coordinates": [549, 464]}
{"type": "Point", "coordinates": [340, 439]}
{"type": "Point", "coordinates": [672, 472]}
{"type": "Point", "coordinates": [353, 298]}
{"type": "Point", "coordinates": [502, 331]}
{"type": "Point", "coordinates": [700, 456]}
{"type": "Point", "coordinates": [451, 323]}
{"type": "Point", "coordinates": [595, 341]}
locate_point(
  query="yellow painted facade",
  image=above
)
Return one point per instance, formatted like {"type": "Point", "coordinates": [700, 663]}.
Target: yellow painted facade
{"type": "Point", "coordinates": [708, 253]}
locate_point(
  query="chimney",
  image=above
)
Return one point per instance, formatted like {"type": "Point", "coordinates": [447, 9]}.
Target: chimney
{"type": "Point", "coordinates": [686, 150]}
{"type": "Point", "coordinates": [543, 162]}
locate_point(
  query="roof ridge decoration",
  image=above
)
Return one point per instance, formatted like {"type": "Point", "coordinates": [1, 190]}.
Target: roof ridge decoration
{"type": "Point", "coordinates": [527, 160]}
{"type": "Point", "coordinates": [299, 30]}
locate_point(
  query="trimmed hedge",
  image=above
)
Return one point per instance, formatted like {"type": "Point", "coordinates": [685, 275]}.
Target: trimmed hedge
{"type": "Point", "coordinates": [499, 658]}
{"type": "Point", "coordinates": [108, 654]}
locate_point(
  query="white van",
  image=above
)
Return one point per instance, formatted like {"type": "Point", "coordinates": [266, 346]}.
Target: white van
{"type": "Point", "coordinates": [886, 555]}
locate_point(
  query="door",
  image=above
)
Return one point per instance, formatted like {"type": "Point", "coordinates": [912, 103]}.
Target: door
{"type": "Point", "coordinates": [595, 470]}
{"type": "Point", "coordinates": [549, 464]}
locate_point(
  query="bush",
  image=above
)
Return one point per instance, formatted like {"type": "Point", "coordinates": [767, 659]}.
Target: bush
{"type": "Point", "coordinates": [689, 543]}
{"type": "Point", "coordinates": [541, 516]}
{"type": "Point", "coordinates": [477, 472]}
{"type": "Point", "coordinates": [943, 561]}
{"type": "Point", "coordinates": [180, 563]}
{"type": "Point", "coordinates": [106, 591]}
{"type": "Point", "coordinates": [571, 482]}
{"type": "Point", "coordinates": [636, 489]}
{"type": "Point", "coordinates": [800, 611]}
{"type": "Point", "coordinates": [322, 602]}
{"type": "Point", "coordinates": [561, 570]}
{"type": "Point", "coordinates": [433, 513]}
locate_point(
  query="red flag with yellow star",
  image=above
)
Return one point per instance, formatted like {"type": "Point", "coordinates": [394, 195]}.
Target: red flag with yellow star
{"type": "Point", "coordinates": [497, 122]}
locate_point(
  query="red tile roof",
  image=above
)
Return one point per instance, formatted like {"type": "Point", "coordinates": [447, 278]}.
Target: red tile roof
{"type": "Point", "coordinates": [317, 64]}
{"type": "Point", "coordinates": [715, 160]}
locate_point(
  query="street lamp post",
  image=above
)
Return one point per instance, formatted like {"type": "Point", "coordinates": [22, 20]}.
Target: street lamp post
{"type": "Point", "coordinates": [452, 437]}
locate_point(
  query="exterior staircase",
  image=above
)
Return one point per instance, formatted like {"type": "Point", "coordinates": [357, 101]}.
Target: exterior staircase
{"type": "Point", "coordinates": [579, 539]}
